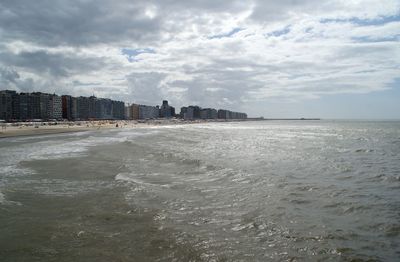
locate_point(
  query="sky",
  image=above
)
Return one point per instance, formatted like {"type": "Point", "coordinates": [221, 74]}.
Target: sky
{"type": "Point", "coordinates": [287, 58]}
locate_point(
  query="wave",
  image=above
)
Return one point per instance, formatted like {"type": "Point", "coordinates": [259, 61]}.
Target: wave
{"type": "Point", "coordinates": [4, 201]}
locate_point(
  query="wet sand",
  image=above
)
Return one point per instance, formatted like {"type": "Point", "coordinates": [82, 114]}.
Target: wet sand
{"type": "Point", "coordinates": [41, 131]}
{"type": "Point", "coordinates": [45, 128]}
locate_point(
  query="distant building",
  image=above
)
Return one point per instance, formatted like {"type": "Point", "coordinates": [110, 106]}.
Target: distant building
{"type": "Point", "coordinates": [24, 108]}
{"type": "Point", "coordinates": [208, 113]}
{"type": "Point", "coordinates": [128, 112]}
{"type": "Point", "coordinates": [226, 114]}
{"type": "Point", "coordinates": [135, 111]}
{"type": "Point", "coordinates": [148, 112]}
{"type": "Point", "coordinates": [104, 108]}
{"type": "Point", "coordinates": [166, 110]}
{"type": "Point", "coordinates": [196, 112]}
{"type": "Point", "coordinates": [223, 114]}
{"type": "Point", "coordinates": [183, 112]}
{"type": "Point", "coordinates": [92, 108]}
{"type": "Point", "coordinates": [74, 108]}
{"type": "Point", "coordinates": [38, 103]}
{"type": "Point", "coordinates": [34, 106]}
{"type": "Point", "coordinates": [82, 108]}
{"type": "Point", "coordinates": [118, 109]}
{"type": "Point", "coordinates": [189, 114]}
{"type": "Point", "coordinates": [7, 108]}
{"type": "Point", "coordinates": [203, 114]}
{"type": "Point", "coordinates": [54, 107]}
{"type": "Point", "coordinates": [67, 107]}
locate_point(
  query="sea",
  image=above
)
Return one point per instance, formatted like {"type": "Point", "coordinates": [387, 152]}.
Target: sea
{"type": "Point", "coordinates": [233, 191]}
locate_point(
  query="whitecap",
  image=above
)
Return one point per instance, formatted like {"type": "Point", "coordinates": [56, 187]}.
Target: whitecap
{"type": "Point", "coordinates": [4, 201]}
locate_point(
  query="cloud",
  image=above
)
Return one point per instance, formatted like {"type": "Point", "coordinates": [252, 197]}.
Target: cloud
{"type": "Point", "coordinates": [212, 53]}
{"type": "Point", "coordinates": [131, 54]}
{"type": "Point", "coordinates": [76, 22]}
{"type": "Point", "coordinates": [52, 65]}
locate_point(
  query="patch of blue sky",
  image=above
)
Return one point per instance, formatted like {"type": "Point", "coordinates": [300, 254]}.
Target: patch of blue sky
{"type": "Point", "coordinates": [368, 39]}
{"type": "Point", "coordinates": [381, 20]}
{"type": "Point", "coordinates": [79, 83]}
{"type": "Point", "coordinates": [132, 53]}
{"type": "Point", "coordinates": [229, 34]}
{"type": "Point", "coordinates": [309, 29]}
{"type": "Point", "coordinates": [280, 32]}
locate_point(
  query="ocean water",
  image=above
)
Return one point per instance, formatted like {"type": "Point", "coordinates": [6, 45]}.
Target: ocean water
{"type": "Point", "coordinates": [242, 191]}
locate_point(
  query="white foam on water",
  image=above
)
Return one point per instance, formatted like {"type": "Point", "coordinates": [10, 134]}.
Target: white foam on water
{"type": "Point", "coordinates": [49, 136]}
{"type": "Point", "coordinates": [50, 148]}
{"type": "Point", "coordinates": [125, 177]}
{"type": "Point", "coordinates": [2, 198]}
{"type": "Point", "coordinates": [4, 201]}
{"type": "Point", "coordinates": [62, 187]}
{"type": "Point", "coordinates": [130, 177]}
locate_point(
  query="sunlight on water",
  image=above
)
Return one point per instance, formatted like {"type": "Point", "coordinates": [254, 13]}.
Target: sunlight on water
{"type": "Point", "coordinates": [252, 191]}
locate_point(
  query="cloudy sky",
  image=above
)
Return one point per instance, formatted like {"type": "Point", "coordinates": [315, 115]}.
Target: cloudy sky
{"type": "Point", "coordinates": [286, 58]}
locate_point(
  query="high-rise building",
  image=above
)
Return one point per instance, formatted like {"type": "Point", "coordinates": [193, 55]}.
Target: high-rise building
{"type": "Point", "coordinates": [39, 104]}
{"type": "Point", "coordinates": [189, 114]}
{"type": "Point", "coordinates": [7, 105]}
{"type": "Point", "coordinates": [67, 107]}
{"type": "Point", "coordinates": [118, 109]}
{"type": "Point", "coordinates": [208, 113]}
{"type": "Point", "coordinates": [24, 109]}
{"type": "Point", "coordinates": [226, 114]}
{"type": "Point", "coordinates": [196, 111]}
{"type": "Point", "coordinates": [74, 108]}
{"type": "Point", "coordinates": [54, 108]}
{"type": "Point", "coordinates": [135, 111]}
{"type": "Point", "coordinates": [166, 110]}
{"type": "Point", "coordinates": [43, 106]}
{"type": "Point", "coordinates": [128, 112]}
{"type": "Point", "coordinates": [183, 112]}
{"type": "Point", "coordinates": [82, 108]}
{"type": "Point", "coordinates": [104, 108]}
{"type": "Point", "coordinates": [148, 112]}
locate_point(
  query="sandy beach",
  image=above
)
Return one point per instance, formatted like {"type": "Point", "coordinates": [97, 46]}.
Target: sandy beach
{"type": "Point", "coordinates": [44, 128]}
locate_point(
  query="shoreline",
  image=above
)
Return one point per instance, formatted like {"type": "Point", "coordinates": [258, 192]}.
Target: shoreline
{"type": "Point", "coordinates": [9, 130]}
{"type": "Point", "coordinates": [42, 131]}
{"type": "Point", "coordinates": [46, 128]}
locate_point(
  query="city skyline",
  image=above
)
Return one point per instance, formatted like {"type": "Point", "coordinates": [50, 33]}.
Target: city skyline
{"type": "Point", "coordinates": [337, 59]}
{"type": "Point", "coordinates": [40, 106]}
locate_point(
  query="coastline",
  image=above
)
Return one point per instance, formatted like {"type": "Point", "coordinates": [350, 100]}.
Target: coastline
{"type": "Point", "coordinates": [45, 128]}
{"type": "Point", "coordinates": [8, 130]}
{"type": "Point", "coordinates": [42, 131]}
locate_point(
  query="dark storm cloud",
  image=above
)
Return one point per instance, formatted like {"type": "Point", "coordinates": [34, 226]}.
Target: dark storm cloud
{"type": "Point", "coordinates": [75, 22]}
{"type": "Point", "coordinates": [80, 23]}
{"type": "Point", "coordinates": [54, 65]}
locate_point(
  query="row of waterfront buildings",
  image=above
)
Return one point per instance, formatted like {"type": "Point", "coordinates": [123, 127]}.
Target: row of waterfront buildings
{"type": "Point", "coordinates": [135, 111]}
{"type": "Point", "coordinates": [42, 106]}
{"type": "Point", "coordinates": [38, 106]}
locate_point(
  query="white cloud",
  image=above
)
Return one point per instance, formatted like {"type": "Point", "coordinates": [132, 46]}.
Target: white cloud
{"type": "Point", "coordinates": [288, 50]}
